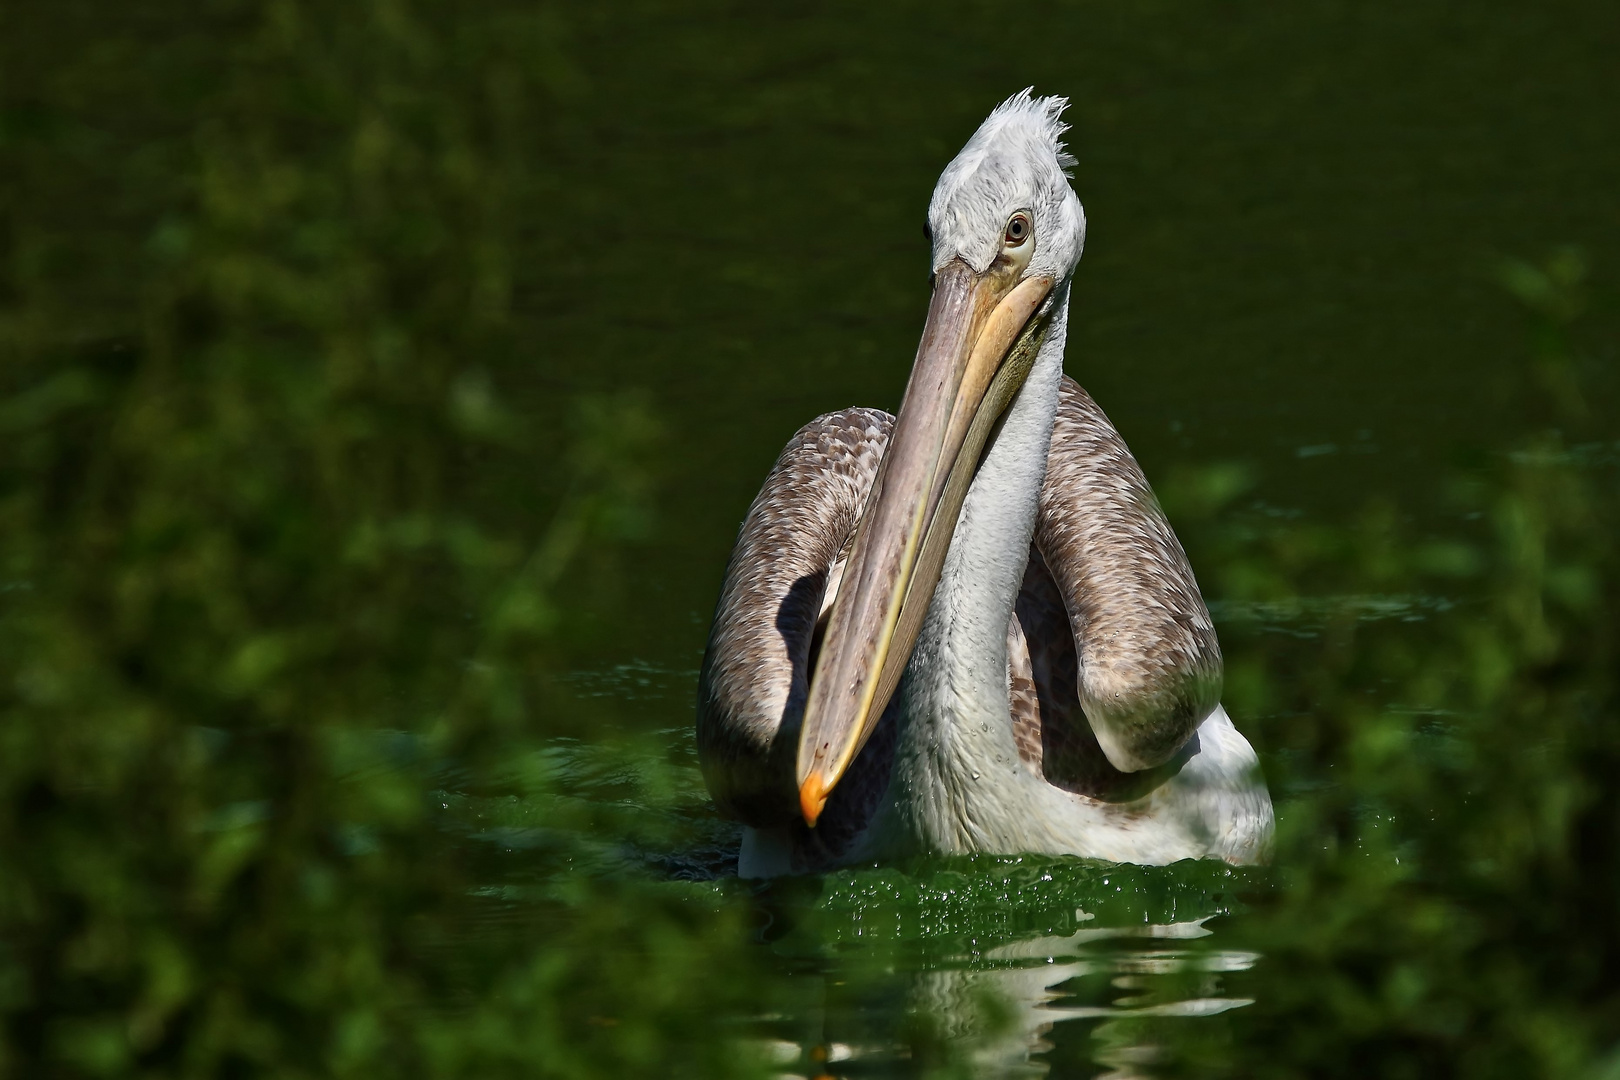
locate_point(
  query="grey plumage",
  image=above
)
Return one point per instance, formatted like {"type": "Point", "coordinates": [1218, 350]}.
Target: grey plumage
{"type": "Point", "coordinates": [1149, 664]}
{"type": "Point", "coordinates": [756, 669]}
{"type": "Point", "coordinates": [1109, 623]}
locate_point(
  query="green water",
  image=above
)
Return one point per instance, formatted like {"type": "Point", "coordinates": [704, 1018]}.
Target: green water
{"type": "Point", "coordinates": [381, 387]}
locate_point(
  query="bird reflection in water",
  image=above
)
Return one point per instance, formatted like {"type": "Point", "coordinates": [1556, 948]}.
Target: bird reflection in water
{"type": "Point", "coordinates": [993, 1012]}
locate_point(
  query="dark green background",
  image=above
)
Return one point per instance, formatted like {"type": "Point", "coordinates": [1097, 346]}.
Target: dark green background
{"type": "Point", "coordinates": [1290, 208]}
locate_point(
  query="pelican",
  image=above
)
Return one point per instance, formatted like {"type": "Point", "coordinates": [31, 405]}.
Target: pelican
{"type": "Point", "coordinates": [969, 627]}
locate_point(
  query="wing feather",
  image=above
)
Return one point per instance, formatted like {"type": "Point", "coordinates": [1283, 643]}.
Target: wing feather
{"type": "Point", "coordinates": [1147, 666]}
{"type": "Point", "coordinates": [756, 669]}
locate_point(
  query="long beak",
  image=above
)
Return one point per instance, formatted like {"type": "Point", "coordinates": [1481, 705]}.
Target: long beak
{"type": "Point", "coordinates": [977, 348]}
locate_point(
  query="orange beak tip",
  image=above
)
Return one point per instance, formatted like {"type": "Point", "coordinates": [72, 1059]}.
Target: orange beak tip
{"type": "Point", "coordinates": [812, 799]}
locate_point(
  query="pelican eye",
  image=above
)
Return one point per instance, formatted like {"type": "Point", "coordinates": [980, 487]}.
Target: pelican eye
{"type": "Point", "coordinates": [1018, 230]}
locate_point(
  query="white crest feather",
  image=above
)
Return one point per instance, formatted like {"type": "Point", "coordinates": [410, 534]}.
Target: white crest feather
{"type": "Point", "coordinates": [1042, 116]}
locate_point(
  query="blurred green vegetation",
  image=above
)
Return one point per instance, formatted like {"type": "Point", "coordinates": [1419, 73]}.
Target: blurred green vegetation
{"type": "Point", "coordinates": [1448, 856]}
{"type": "Point", "coordinates": [274, 570]}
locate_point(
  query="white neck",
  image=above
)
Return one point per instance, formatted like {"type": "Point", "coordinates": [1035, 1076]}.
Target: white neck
{"type": "Point", "coordinates": [954, 723]}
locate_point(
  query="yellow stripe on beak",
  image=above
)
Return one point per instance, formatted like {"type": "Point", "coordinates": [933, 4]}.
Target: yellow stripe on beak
{"type": "Point", "coordinates": [977, 347]}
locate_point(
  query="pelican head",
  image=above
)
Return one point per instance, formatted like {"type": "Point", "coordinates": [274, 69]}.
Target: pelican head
{"type": "Point", "coordinates": [1007, 232]}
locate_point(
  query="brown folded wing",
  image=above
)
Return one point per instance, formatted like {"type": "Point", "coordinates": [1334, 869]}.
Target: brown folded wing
{"type": "Point", "coordinates": [779, 583]}
{"type": "Point", "coordinates": [1111, 629]}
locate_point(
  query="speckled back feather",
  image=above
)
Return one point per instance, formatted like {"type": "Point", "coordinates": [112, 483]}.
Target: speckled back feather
{"type": "Point", "coordinates": [1149, 665]}
{"type": "Point", "coordinates": [756, 669]}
